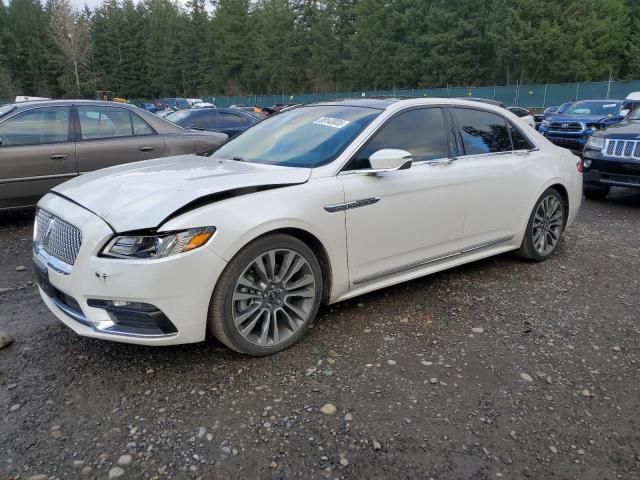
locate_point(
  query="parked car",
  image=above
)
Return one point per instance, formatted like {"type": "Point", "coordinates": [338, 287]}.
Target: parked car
{"type": "Point", "coordinates": [612, 158]}
{"type": "Point", "coordinates": [572, 128]}
{"type": "Point", "coordinates": [317, 204]}
{"type": "Point", "coordinates": [550, 112]}
{"type": "Point", "coordinates": [546, 113]}
{"type": "Point", "coordinates": [44, 143]}
{"type": "Point", "coordinates": [175, 103]}
{"type": "Point", "coordinates": [166, 112]}
{"type": "Point", "coordinates": [150, 107]}
{"type": "Point", "coordinates": [203, 105]}
{"type": "Point", "coordinates": [518, 111]}
{"type": "Point", "coordinates": [224, 120]}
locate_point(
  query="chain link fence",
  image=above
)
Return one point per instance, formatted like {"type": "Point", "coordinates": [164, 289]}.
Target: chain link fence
{"type": "Point", "coordinates": [523, 95]}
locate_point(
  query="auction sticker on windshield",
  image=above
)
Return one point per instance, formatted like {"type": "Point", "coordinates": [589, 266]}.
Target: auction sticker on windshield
{"type": "Point", "coordinates": [332, 122]}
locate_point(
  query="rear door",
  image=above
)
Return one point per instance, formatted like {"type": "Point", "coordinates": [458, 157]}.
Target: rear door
{"type": "Point", "coordinates": [502, 168]}
{"type": "Point", "coordinates": [37, 152]}
{"type": "Point", "coordinates": [110, 136]}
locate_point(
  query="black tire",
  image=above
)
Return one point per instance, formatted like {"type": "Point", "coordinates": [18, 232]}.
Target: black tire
{"type": "Point", "coordinates": [527, 249]}
{"type": "Point", "coordinates": [221, 310]}
{"type": "Point", "coordinates": [596, 192]}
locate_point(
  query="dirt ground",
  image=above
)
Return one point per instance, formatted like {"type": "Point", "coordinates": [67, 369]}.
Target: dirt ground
{"type": "Point", "coordinates": [499, 369]}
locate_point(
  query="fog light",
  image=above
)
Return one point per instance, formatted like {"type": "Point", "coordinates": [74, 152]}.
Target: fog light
{"type": "Point", "coordinates": [133, 318]}
{"type": "Point", "coordinates": [587, 163]}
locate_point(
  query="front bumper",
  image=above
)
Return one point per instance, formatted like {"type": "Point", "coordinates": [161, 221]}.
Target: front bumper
{"type": "Point", "coordinates": [572, 141]}
{"type": "Point", "coordinates": [179, 287]}
{"type": "Point", "coordinates": [620, 172]}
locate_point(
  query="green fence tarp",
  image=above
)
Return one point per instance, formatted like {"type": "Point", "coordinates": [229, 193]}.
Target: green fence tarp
{"type": "Point", "coordinates": [524, 95]}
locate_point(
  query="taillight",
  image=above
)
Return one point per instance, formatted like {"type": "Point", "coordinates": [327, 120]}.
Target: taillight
{"type": "Point", "coordinates": [580, 166]}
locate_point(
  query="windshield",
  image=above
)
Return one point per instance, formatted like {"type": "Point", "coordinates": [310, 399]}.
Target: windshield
{"type": "Point", "coordinates": [562, 108]}
{"type": "Point", "coordinates": [6, 109]}
{"type": "Point", "coordinates": [302, 137]}
{"type": "Point", "coordinates": [634, 115]}
{"type": "Point", "coordinates": [602, 109]}
{"type": "Point", "coordinates": [177, 116]}
{"type": "Point", "coordinates": [182, 103]}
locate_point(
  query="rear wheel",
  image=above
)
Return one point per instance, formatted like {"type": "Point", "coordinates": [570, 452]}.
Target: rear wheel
{"type": "Point", "coordinates": [596, 192]}
{"type": "Point", "coordinates": [545, 227]}
{"type": "Point", "coordinates": [267, 297]}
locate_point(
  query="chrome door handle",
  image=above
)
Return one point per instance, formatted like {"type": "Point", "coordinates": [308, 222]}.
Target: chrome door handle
{"type": "Point", "coordinates": [59, 156]}
{"type": "Point", "coordinates": [145, 148]}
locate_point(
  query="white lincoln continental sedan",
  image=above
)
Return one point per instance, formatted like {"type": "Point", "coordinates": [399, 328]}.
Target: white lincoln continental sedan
{"type": "Point", "coordinates": [314, 205]}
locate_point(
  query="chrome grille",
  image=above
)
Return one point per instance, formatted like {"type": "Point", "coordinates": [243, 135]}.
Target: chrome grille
{"type": "Point", "coordinates": [622, 148]}
{"type": "Point", "coordinates": [58, 238]}
{"type": "Point", "coordinates": [566, 126]}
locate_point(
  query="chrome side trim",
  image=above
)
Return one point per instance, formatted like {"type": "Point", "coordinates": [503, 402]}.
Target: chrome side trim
{"type": "Point", "coordinates": [71, 313]}
{"type": "Point", "coordinates": [340, 207]}
{"type": "Point", "coordinates": [41, 177]}
{"type": "Point", "coordinates": [486, 244]}
{"type": "Point", "coordinates": [50, 261]}
{"type": "Point", "coordinates": [427, 261]}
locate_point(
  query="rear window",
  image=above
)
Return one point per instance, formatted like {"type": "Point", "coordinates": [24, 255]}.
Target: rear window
{"type": "Point", "coordinates": [6, 109]}
{"type": "Point", "coordinates": [178, 116]}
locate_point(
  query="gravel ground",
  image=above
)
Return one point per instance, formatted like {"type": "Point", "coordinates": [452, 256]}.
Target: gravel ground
{"type": "Point", "coordinates": [499, 369]}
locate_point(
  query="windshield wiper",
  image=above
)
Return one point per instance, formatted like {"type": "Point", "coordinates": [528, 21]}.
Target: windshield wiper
{"type": "Point", "coordinates": [237, 159]}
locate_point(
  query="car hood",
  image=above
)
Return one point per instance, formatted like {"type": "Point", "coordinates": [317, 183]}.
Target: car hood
{"type": "Point", "coordinates": [143, 194]}
{"type": "Point", "coordinates": [581, 118]}
{"type": "Point", "coordinates": [625, 129]}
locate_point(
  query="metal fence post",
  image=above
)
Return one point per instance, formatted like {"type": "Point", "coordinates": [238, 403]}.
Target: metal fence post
{"type": "Point", "coordinates": [544, 99]}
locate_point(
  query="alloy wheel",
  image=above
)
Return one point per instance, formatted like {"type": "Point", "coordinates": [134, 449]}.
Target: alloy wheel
{"type": "Point", "coordinates": [273, 297]}
{"type": "Point", "coordinates": [547, 224]}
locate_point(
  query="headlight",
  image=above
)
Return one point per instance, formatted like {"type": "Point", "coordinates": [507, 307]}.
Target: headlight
{"type": "Point", "coordinates": [597, 143]}
{"type": "Point", "coordinates": [545, 123]}
{"type": "Point", "coordinates": [157, 245]}
{"type": "Point", "coordinates": [594, 126]}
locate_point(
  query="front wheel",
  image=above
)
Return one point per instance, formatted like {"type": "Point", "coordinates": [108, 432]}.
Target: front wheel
{"type": "Point", "coordinates": [545, 227]}
{"type": "Point", "coordinates": [267, 297]}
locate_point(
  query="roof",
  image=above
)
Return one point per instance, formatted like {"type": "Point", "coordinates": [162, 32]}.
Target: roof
{"type": "Point", "coordinates": [37, 103]}
{"type": "Point", "coordinates": [379, 103]}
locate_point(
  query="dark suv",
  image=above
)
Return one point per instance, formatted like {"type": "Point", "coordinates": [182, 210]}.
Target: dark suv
{"type": "Point", "coordinates": [612, 158]}
{"type": "Point", "coordinates": [44, 143]}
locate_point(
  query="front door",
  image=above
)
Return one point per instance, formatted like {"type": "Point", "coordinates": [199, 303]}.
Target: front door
{"type": "Point", "coordinates": [400, 220]}
{"type": "Point", "coordinates": [113, 135]}
{"type": "Point", "coordinates": [37, 152]}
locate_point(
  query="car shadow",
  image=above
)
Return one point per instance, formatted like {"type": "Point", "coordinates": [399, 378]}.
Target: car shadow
{"type": "Point", "coordinates": [624, 197]}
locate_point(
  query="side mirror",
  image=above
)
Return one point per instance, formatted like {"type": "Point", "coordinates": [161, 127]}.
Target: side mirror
{"type": "Point", "coordinates": [389, 160]}
{"type": "Point", "coordinates": [624, 112]}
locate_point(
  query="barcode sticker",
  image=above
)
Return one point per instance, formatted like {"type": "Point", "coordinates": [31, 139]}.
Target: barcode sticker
{"type": "Point", "coordinates": [332, 122]}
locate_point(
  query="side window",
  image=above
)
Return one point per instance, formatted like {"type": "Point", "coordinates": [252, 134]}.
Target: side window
{"type": "Point", "coordinates": [36, 127]}
{"type": "Point", "coordinates": [140, 127]}
{"type": "Point", "coordinates": [520, 142]}
{"type": "Point", "coordinates": [225, 118]}
{"type": "Point", "coordinates": [204, 120]}
{"type": "Point", "coordinates": [104, 122]}
{"type": "Point", "coordinates": [421, 132]}
{"type": "Point", "coordinates": [482, 132]}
